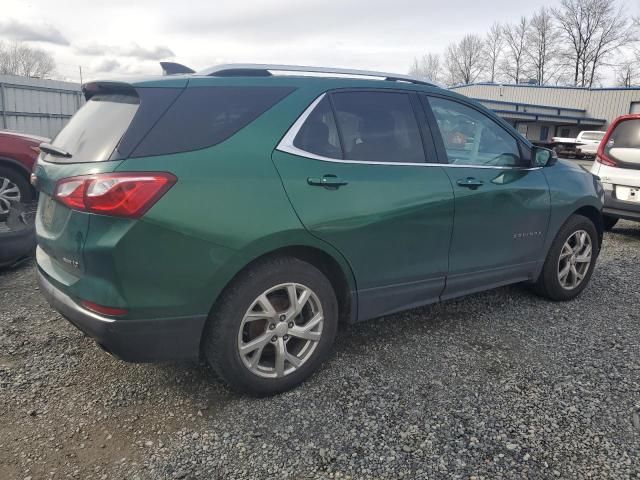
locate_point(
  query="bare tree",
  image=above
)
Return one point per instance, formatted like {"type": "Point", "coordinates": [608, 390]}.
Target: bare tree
{"type": "Point", "coordinates": [616, 31]}
{"type": "Point", "coordinates": [542, 47]}
{"type": "Point", "coordinates": [21, 59]}
{"type": "Point", "coordinates": [427, 67]}
{"type": "Point", "coordinates": [464, 61]}
{"type": "Point", "coordinates": [515, 59]}
{"type": "Point", "coordinates": [627, 74]}
{"type": "Point", "coordinates": [593, 31]}
{"type": "Point", "coordinates": [493, 46]}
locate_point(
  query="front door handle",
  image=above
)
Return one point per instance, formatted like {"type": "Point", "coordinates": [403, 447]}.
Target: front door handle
{"type": "Point", "coordinates": [470, 182]}
{"type": "Point", "coordinates": [328, 181]}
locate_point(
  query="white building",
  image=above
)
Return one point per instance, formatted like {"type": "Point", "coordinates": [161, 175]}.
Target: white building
{"type": "Point", "coordinates": [542, 112]}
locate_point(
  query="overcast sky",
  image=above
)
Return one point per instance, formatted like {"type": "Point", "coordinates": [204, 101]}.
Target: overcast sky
{"type": "Point", "coordinates": [117, 37]}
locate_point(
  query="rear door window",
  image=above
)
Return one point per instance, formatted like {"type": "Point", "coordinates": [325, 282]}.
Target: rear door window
{"type": "Point", "coordinates": [205, 116]}
{"type": "Point", "coordinates": [378, 127]}
{"type": "Point", "coordinates": [95, 130]}
{"type": "Point", "coordinates": [319, 134]}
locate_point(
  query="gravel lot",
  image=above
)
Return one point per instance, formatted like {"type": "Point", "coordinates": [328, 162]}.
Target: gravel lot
{"type": "Point", "coordinates": [500, 384]}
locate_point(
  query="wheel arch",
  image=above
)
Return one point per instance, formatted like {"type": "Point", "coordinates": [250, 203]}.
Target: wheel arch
{"type": "Point", "coordinates": [17, 167]}
{"type": "Point", "coordinates": [14, 165]}
{"type": "Point", "coordinates": [307, 248]}
{"type": "Point", "coordinates": [595, 215]}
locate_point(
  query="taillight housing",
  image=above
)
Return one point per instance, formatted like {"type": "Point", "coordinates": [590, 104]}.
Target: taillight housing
{"type": "Point", "coordinates": [605, 159]}
{"type": "Point", "coordinates": [102, 310]}
{"type": "Point", "coordinates": [125, 194]}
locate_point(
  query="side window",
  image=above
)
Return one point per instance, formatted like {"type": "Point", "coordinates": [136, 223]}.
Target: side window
{"type": "Point", "coordinates": [319, 133]}
{"type": "Point", "coordinates": [378, 127]}
{"type": "Point", "coordinates": [205, 116]}
{"type": "Point", "coordinates": [472, 138]}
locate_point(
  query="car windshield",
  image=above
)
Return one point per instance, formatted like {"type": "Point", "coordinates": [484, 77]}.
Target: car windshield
{"type": "Point", "coordinates": [593, 135]}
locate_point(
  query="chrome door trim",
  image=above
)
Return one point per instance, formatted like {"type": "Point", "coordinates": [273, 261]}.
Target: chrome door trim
{"type": "Point", "coordinates": [286, 145]}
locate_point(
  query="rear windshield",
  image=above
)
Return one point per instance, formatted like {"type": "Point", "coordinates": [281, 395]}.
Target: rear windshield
{"type": "Point", "coordinates": [94, 131]}
{"type": "Point", "coordinates": [592, 135]}
{"type": "Point", "coordinates": [626, 135]}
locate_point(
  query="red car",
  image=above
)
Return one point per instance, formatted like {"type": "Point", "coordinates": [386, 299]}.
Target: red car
{"type": "Point", "coordinates": [18, 153]}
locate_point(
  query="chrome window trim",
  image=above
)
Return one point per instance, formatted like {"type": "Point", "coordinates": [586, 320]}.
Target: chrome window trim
{"type": "Point", "coordinates": [286, 145]}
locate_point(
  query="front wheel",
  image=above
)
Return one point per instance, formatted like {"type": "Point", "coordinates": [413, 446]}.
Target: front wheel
{"type": "Point", "coordinates": [273, 327]}
{"type": "Point", "coordinates": [570, 260]}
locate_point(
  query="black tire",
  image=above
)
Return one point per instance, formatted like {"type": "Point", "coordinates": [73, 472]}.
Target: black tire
{"type": "Point", "coordinates": [20, 181]}
{"type": "Point", "coordinates": [548, 285]}
{"type": "Point", "coordinates": [609, 222]}
{"type": "Point", "coordinates": [220, 341]}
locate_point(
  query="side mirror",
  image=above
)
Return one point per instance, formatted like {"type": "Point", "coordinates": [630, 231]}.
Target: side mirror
{"type": "Point", "coordinates": [543, 157]}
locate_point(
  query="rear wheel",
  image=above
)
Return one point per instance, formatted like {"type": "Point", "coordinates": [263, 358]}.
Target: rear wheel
{"type": "Point", "coordinates": [273, 327]}
{"type": "Point", "coordinates": [570, 260]}
{"type": "Point", "coordinates": [13, 188]}
{"type": "Point", "coordinates": [609, 222]}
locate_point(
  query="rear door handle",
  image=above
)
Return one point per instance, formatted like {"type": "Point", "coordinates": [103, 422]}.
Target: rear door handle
{"type": "Point", "coordinates": [329, 181]}
{"type": "Point", "coordinates": [470, 182]}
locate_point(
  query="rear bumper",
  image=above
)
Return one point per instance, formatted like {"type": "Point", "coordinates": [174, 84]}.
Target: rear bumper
{"type": "Point", "coordinates": [149, 340]}
{"type": "Point", "coordinates": [620, 209]}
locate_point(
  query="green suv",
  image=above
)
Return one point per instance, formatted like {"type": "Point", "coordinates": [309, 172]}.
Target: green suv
{"type": "Point", "coordinates": [240, 214]}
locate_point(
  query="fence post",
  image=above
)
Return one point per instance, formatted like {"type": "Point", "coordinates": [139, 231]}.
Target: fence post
{"type": "Point", "coordinates": [3, 100]}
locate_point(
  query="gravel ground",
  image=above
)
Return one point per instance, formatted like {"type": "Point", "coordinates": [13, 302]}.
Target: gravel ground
{"type": "Point", "coordinates": [497, 385]}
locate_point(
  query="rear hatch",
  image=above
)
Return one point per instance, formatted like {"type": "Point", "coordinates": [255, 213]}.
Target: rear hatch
{"type": "Point", "coordinates": [96, 139]}
{"type": "Point", "coordinates": [622, 147]}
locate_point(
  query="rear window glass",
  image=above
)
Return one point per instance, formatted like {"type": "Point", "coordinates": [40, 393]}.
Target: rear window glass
{"type": "Point", "coordinates": [592, 135]}
{"type": "Point", "coordinates": [94, 131]}
{"type": "Point", "coordinates": [205, 116]}
{"type": "Point", "coordinates": [624, 143]}
{"type": "Point", "coordinates": [319, 133]}
{"type": "Point", "coordinates": [378, 127]}
{"type": "Point", "coordinates": [626, 135]}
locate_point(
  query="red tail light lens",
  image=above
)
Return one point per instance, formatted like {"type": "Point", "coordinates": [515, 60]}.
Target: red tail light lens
{"type": "Point", "coordinates": [128, 194]}
{"type": "Point", "coordinates": [604, 159]}
{"type": "Point", "coordinates": [102, 310]}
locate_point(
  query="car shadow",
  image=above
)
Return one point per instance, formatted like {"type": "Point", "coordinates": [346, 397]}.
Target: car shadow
{"type": "Point", "coordinates": [357, 341]}
{"type": "Point", "coordinates": [626, 231]}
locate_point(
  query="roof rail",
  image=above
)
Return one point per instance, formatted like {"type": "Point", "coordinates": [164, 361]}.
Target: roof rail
{"type": "Point", "coordinates": [264, 70]}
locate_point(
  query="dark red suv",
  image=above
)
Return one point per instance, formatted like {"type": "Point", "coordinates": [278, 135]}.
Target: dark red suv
{"type": "Point", "coordinates": [18, 153]}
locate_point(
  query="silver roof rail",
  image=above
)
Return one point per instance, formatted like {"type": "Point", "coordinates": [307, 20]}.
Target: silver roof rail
{"type": "Point", "coordinates": [264, 70]}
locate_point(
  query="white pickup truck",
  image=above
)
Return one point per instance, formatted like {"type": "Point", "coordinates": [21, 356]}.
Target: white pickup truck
{"type": "Point", "coordinates": [584, 145]}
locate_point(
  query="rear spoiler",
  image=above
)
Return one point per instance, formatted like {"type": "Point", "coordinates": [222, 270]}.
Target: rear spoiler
{"type": "Point", "coordinates": [172, 68]}
{"type": "Point", "coordinates": [90, 89]}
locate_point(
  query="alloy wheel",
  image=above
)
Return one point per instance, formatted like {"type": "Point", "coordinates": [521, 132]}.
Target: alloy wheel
{"type": "Point", "coordinates": [575, 259]}
{"type": "Point", "coordinates": [281, 330]}
{"type": "Point", "coordinates": [9, 192]}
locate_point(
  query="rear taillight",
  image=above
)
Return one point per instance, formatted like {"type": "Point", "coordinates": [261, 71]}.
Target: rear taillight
{"type": "Point", "coordinates": [604, 159]}
{"type": "Point", "coordinates": [102, 310]}
{"type": "Point", "coordinates": [127, 194]}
